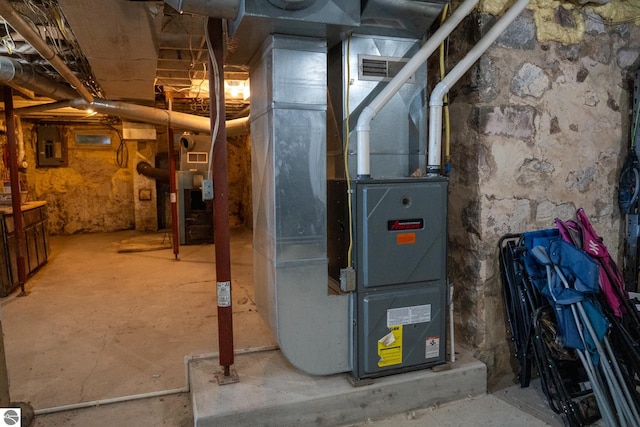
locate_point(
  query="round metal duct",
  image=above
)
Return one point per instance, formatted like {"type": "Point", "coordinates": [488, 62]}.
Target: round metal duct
{"type": "Point", "coordinates": [292, 4]}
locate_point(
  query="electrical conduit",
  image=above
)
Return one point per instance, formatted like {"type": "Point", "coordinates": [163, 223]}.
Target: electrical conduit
{"type": "Point", "coordinates": [436, 100]}
{"type": "Point", "coordinates": [363, 127]}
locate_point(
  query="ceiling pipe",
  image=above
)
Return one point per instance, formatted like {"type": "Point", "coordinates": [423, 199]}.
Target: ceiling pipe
{"type": "Point", "coordinates": [158, 116]}
{"type": "Point", "coordinates": [40, 108]}
{"type": "Point", "coordinates": [363, 127]}
{"type": "Point", "coordinates": [436, 100]}
{"type": "Point", "coordinates": [13, 72]}
{"type": "Point", "coordinates": [13, 18]}
{"type": "Point", "coordinates": [226, 9]}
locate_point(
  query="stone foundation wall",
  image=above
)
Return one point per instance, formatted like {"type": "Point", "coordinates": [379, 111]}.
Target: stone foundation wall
{"type": "Point", "coordinates": [92, 194]}
{"type": "Point", "coordinates": [539, 129]}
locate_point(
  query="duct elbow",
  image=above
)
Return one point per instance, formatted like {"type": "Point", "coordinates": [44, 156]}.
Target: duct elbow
{"type": "Point", "coordinates": [144, 168]}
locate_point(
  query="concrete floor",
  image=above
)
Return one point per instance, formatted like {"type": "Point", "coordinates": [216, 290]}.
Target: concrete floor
{"type": "Point", "coordinates": [98, 325]}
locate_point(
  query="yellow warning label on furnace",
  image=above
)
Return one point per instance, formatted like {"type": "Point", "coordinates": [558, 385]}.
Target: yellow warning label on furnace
{"type": "Point", "coordinates": [390, 347]}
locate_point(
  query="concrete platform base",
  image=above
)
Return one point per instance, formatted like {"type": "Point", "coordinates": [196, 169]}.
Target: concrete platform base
{"type": "Point", "coordinates": [273, 393]}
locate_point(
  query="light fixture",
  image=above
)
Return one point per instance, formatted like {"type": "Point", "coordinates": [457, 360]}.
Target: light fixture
{"type": "Point", "coordinates": [236, 89]}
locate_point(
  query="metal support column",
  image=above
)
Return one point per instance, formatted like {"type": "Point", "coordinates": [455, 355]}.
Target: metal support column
{"type": "Point", "coordinates": [221, 231]}
{"type": "Point", "coordinates": [175, 238]}
{"type": "Point", "coordinates": [16, 203]}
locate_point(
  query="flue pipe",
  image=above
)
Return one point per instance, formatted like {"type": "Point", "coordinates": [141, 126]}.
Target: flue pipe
{"type": "Point", "coordinates": [226, 9]}
{"type": "Point", "coordinates": [442, 88]}
{"type": "Point", "coordinates": [24, 75]}
{"type": "Point", "coordinates": [158, 116]}
{"type": "Point", "coordinates": [363, 127]}
{"type": "Point", "coordinates": [13, 18]}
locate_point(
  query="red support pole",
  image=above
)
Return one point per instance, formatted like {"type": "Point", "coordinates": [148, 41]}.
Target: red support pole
{"type": "Point", "coordinates": [175, 237]}
{"type": "Point", "coordinates": [15, 187]}
{"type": "Point", "coordinates": [221, 197]}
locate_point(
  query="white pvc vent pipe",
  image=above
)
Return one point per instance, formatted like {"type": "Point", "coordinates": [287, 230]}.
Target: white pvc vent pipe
{"type": "Point", "coordinates": [442, 88]}
{"type": "Point", "coordinates": [363, 127]}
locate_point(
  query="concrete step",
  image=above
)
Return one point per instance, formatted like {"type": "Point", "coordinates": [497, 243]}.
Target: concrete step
{"type": "Point", "coordinates": [271, 392]}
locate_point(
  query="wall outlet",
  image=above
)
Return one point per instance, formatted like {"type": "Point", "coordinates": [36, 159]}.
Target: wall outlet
{"type": "Point", "coordinates": [207, 189]}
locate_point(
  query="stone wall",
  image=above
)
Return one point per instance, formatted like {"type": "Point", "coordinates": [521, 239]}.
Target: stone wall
{"type": "Point", "coordinates": [540, 127]}
{"type": "Point", "coordinates": [97, 193]}
{"type": "Point", "coordinates": [92, 194]}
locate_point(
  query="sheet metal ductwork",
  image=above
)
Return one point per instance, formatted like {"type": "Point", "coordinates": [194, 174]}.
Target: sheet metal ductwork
{"type": "Point", "coordinates": [288, 162]}
{"type": "Point", "coordinates": [258, 19]}
{"type": "Point", "coordinates": [227, 9]}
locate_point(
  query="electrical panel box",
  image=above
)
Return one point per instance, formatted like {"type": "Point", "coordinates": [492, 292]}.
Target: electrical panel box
{"type": "Point", "coordinates": [52, 147]}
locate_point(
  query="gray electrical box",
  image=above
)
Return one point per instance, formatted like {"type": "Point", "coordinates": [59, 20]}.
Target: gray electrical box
{"type": "Point", "coordinates": [52, 147]}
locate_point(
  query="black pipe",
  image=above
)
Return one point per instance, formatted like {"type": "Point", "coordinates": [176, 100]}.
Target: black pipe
{"type": "Point", "coordinates": [144, 168]}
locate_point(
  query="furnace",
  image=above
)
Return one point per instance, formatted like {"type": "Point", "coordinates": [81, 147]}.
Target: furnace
{"type": "Point", "coordinates": [349, 271]}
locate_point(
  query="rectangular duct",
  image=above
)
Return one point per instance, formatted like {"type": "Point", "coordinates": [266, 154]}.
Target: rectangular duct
{"type": "Point", "coordinates": [257, 19]}
{"type": "Point", "coordinates": [288, 129]}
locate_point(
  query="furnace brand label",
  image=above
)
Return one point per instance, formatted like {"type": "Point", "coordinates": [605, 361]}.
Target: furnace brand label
{"type": "Point", "coordinates": [390, 347]}
{"type": "Point", "coordinates": [409, 315]}
{"type": "Point", "coordinates": [405, 224]}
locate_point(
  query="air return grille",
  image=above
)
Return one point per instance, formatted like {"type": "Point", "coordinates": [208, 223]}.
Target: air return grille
{"type": "Point", "coordinates": [380, 68]}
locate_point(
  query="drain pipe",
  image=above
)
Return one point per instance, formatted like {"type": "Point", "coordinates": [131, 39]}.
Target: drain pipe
{"type": "Point", "coordinates": [363, 127]}
{"type": "Point", "coordinates": [13, 18]}
{"type": "Point", "coordinates": [442, 88]}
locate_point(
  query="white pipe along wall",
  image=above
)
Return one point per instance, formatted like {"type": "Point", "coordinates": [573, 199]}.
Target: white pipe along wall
{"type": "Point", "coordinates": [442, 88]}
{"type": "Point", "coordinates": [363, 127]}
